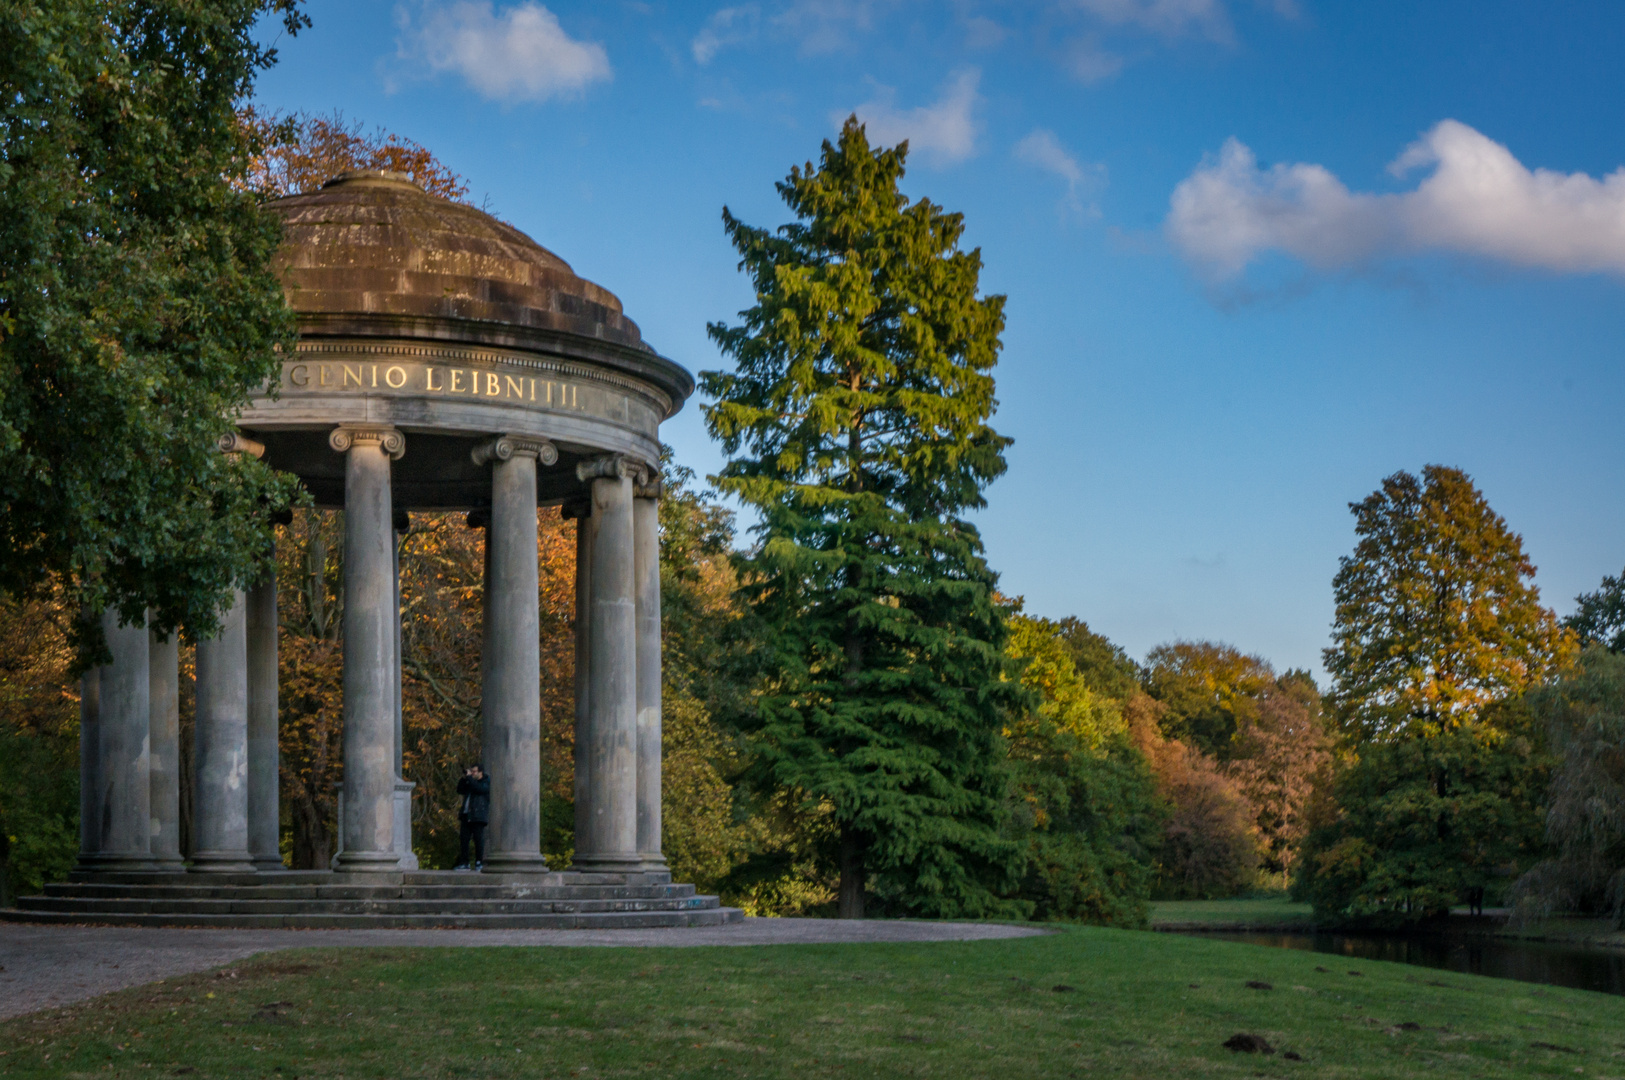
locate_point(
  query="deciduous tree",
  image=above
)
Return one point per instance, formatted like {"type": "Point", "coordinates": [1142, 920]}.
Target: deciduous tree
{"type": "Point", "coordinates": [856, 424]}
{"type": "Point", "coordinates": [1436, 614]}
{"type": "Point", "coordinates": [138, 308]}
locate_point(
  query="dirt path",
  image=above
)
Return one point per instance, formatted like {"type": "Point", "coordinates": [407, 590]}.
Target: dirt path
{"type": "Point", "coordinates": [45, 966]}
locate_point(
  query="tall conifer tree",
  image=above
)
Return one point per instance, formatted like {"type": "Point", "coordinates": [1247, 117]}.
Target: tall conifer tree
{"type": "Point", "coordinates": [856, 422]}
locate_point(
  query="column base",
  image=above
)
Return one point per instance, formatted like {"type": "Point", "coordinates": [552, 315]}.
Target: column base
{"type": "Point", "coordinates": [169, 865]}
{"type": "Point", "coordinates": [497, 862]}
{"type": "Point", "coordinates": [367, 862]}
{"type": "Point", "coordinates": [222, 862]}
{"type": "Point", "coordinates": [403, 824]}
{"type": "Point", "coordinates": [608, 863]}
{"type": "Point", "coordinates": [117, 864]}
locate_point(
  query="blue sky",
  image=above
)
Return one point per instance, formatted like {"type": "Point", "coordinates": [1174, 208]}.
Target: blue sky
{"type": "Point", "coordinates": [1258, 255]}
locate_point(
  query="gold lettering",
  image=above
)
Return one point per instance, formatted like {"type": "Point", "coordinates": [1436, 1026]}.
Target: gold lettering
{"type": "Point", "coordinates": [428, 379]}
{"type": "Point", "coordinates": [493, 385]}
{"type": "Point", "coordinates": [456, 375]}
{"type": "Point", "coordinates": [533, 389]}
{"type": "Point", "coordinates": [351, 373]}
{"type": "Point", "coordinates": [574, 404]}
{"type": "Point", "coordinates": [321, 375]}
{"type": "Point", "coordinates": [299, 375]}
{"type": "Point", "coordinates": [375, 374]}
{"type": "Point", "coordinates": [550, 393]}
{"type": "Point", "coordinates": [512, 387]}
{"type": "Point", "coordinates": [390, 377]}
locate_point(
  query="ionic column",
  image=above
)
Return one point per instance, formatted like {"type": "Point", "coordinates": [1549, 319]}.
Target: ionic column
{"type": "Point", "coordinates": [610, 840]}
{"type": "Point", "coordinates": [164, 749]}
{"type": "Point", "coordinates": [220, 805]}
{"type": "Point", "coordinates": [511, 699]}
{"type": "Point", "coordinates": [124, 800]}
{"type": "Point", "coordinates": [369, 648]}
{"type": "Point", "coordinates": [646, 569]}
{"type": "Point", "coordinates": [582, 513]}
{"type": "Point", "coordinates": [264, 814]}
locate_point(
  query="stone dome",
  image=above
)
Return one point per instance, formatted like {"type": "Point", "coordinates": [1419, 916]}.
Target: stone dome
{"type": "Point", "coordinates": [445, 325]}
{"type": "Point", "coordinates": [373, 242]}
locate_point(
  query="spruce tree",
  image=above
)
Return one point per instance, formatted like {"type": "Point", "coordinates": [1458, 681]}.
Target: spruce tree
{"type": "Point", "coordinates": [856, 424]}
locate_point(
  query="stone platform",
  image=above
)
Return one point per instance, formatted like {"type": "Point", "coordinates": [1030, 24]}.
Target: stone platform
{"type": "Point", "coordinates": [312, 900]}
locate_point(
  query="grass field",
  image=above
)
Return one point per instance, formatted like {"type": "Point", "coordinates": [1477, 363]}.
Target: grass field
{"type": "Point", "coordinates": [1274, 911]}
{"type": "Point", "coordinates": [1084, 1002]}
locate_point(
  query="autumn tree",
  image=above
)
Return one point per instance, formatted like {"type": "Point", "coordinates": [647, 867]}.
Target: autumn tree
{"type": "Point", "coordinates": [39, 746]}
{"type": "Point", "coordinates": [856, 425]}
{"type": "Point", "coordinates": [1208, 690]}
{"type": "Point", "coordinates": [138, 306]}
{"type": "Point", "coordinates": [299, 152]}
{"type": "Point", "coordinates": [1437, 615]}
{"type": "Point", "coordinates": [1280, 751]}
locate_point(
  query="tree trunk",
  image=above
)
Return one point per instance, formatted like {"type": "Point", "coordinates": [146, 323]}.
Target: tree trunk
{"type": "Point", "coordinates": [312, 846]}
{"type": "Point", "coordinates": [850, 903]}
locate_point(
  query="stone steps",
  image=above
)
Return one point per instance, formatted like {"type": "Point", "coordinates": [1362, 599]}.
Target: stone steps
{"type": "Point", "coordinates": [139, 906]}
{"type": "Point", "coordinates": [608, 920]}
{"type": "Point", "coordinates": [315, 899]}
{"type": "Point", "coordinates": [436, 893]}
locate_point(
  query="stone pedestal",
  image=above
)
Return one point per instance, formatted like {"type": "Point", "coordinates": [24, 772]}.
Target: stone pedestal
{"type": "Point", "coordinates": [368, 821]}
{"type": "Point", "coordinates": [164, 750]}
{"type": "Point", "coordinates": [220, 804]}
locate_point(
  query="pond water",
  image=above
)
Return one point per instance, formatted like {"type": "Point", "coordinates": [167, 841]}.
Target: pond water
{"type": "Point", "coordinates": [1555, 965]}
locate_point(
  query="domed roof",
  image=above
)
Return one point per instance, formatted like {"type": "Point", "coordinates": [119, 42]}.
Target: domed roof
{"type": "Point", "coordinates": [374, 243]}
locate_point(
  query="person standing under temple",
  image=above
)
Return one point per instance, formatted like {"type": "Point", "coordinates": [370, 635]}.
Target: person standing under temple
{"type": "Point", "coordinates": [475, 788]}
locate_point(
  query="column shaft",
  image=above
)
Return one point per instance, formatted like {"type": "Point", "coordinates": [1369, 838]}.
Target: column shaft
{"type": "Point", "coordinates": [220, 805]}
{"type": "Point", "coordinates": [611, 840]}
{"type": "Point", "coordinates": [125, 797]}
{"type": "Point", "coordinates": [403, 787]}
{"type": "Point", "coordinates": [646, 567]}
{"type": "Point", "coordinates": [511, 699]}
{"type": "Point", "coordinates": [264, 812]}
{"type": "Point", "coordinates": [583, 669]}
{"type": "Point", "coordinates": [369, 653]}
{"type": "Point", "coordinates": [164, 749]}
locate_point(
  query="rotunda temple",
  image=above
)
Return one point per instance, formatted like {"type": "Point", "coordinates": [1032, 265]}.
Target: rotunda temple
{"type": "Point", "coordinates": [445, 361]}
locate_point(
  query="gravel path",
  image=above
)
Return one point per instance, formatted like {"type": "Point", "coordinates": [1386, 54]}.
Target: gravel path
{"type": "Point", "coordinates": [45, 966]}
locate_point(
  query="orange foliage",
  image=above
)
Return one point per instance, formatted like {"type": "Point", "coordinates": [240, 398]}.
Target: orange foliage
{"type": "Point", "coordinates": [1210, 844]}
{"type": "Point", "coordinates": [303, 151]}
{"type": "Point", "coordinates": [442, 564]}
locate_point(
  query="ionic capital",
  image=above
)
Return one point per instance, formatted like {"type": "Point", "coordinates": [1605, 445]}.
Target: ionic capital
{"type": "Point", "coordinates": [236, 442]}
{"type": "Point", "coordinates": [507, 447]}
{"type": "Point", "coordinates": [389, 440]}
{"type": "Point", "coordinates": [650, 488]}
{"type": "Point", "coordinates": [613, 467]}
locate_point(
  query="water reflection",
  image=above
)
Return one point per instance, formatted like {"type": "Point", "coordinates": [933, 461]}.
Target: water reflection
{"type": "Point", "coordinates": [1554, 965]}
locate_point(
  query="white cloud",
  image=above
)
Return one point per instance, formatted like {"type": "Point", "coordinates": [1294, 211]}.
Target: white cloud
{"type": "Point", "coordinates": [1169, 18]}
{"type": "Point", "coordinates": [1478, 200]}
{"type": "Point", "coordinates": [519, 54]}
{"type": "Point", "coordinates": [1042, 149]}
{"type": "Point", "coordinates": [945, 131]}
{"type": "Point", "coordinates": [1089, 62]}
{"type": "Point", "coordinates": [728, 26]}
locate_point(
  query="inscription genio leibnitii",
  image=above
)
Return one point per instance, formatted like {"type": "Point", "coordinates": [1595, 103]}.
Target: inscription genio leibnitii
{"type": "Point", "coordinates": [431, 379]}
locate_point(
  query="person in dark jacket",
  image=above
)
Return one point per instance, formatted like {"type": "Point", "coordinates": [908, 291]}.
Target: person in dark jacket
{"type": "Point", "coordinates": [475, 788]}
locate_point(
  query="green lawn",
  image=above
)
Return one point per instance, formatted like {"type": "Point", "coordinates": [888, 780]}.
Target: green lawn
{"type": "Point", "coordinates": [1140, 1005]}
{"type": "Point", "coordinates": [1275, 911]}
